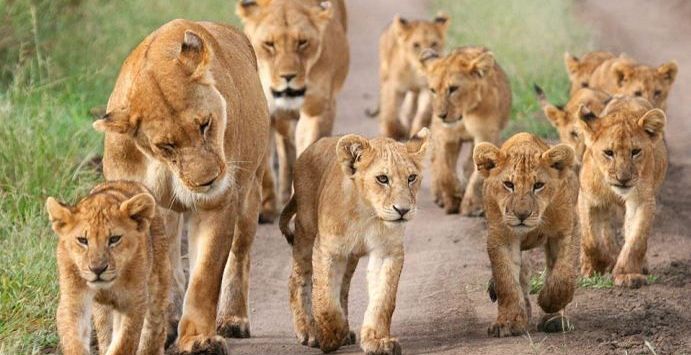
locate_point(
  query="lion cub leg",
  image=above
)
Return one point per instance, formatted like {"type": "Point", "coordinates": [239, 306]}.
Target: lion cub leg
{"type": "Point", "coordinates": [597, 238]}
{"type": "Point", "coordinates": [300, 287]}
{"type": "Point", "coordinates": [391, 101]}
{"type": "Point", "coordinates": [329, 270]}
{"type": "Point", "coordinates": [103, 324]}
{"type": "Point", "coordinates": [345, 290]}
{"type": "Point", "coordinates": [285, 150]}
{"type": "Point", "coordinates": [423, 115]}
{"type": "Point", "coordinates": [445, 183]}
{"type": "Point", "coordinates": [74, 317]}
{"type": "Point", "coordinates": [383, 274]}
{"type": "Point", "coordinates": [628, 271]}
{"type": "Point", "coordinates": [512, 315]}
{"type": "Point", "coordinates": [173, 229]}
{"type": "Point", "coordinates": [127, 329]}
{"type": "Point", "coordinates": [560, 283]}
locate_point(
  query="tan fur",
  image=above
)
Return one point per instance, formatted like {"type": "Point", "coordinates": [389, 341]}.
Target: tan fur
{"type": "Point", "coordinates": [188, 119]}
{"type": "Point", "coordinates": [471, 103]}
{"type": "Point", "coordinates": [522, 215]}
{"type": "Point", "coordinates": [581, 69]}
{"type": "Point", "coordinates": [343, 213]}
{"type": "Point", "coordinates": [628, 178]}
{"type": "Point", "coordinates": [401, 73]}
{"type": "Point", "coordinates": [623, 75]}
{"type": "Point", "coordinates": [305, 39]}
{"type": "Point", "coordinates": [113, 260]}
{"type": "Point", "coordinates": [565, 119]}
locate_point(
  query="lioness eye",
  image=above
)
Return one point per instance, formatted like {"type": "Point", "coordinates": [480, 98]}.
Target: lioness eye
{"type": "Point", "coordinates": [574, 134]}
{"type": "Point", "coordinates": [412, 178]}
{"type": "Point", "coordinates": [166, 147]}
{"type": "Point", "coordinates": [452, 89]}
{"type": "Point", "coordinates": [383, 179]}
{"type": "Point", "coordinates": [114, 239]}
{"type": "Point", "coordinates": [204, 127]}
{"type": "Point", "coordinates": [508, 185]}
{"type": "Point", "coordinates": [83, 241]}
{"type": "Point", "coordinates": [302, 44]}
{"type": "Point", "coordinates": [609, 152]}
{"type": "Point", "coordinates": [638, 93]}
{"type": "Point", "coordinates": [635, 152]}
{"type": "Point", "coordinates": [538, 186]}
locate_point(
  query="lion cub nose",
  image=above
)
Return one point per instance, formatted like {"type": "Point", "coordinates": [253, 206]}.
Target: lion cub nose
{"type": "Point", "coordinates": [523, 215]}
{"type": "Point", "coordinates": [401, 210]}
{"type": "Point", "coordinates": [98, 269]}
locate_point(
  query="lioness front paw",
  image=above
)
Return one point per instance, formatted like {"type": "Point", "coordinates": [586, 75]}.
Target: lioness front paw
{"type": "Point", "coordinates": [554, 323]}
{"type": "Point", "coordinates": [630, 280]}
{"type": "Point", "coordinates": [215, 345]}
{"type": "Point", "coordinates": [234, 328]}
{"type": "Point", "coordinates": [382, 346]}
{"type": "Point", "coordinates": [509, 325]}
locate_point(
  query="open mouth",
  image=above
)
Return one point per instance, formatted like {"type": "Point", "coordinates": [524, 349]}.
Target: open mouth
{"type": "Point", "coordinates": [289, 93]}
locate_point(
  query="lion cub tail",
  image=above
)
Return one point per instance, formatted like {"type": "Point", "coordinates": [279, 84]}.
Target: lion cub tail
{"type": "Point", "coordinates": [284, 222]}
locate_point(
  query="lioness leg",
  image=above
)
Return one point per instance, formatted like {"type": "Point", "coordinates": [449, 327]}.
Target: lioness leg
{"type": "Point", "coordinates": [423, 116]}
{"type": "Point", "coordinates": [445, 183]}
{"type": "Point", "coordinates": [512, 317]}
{"type": "Point", "coordinates": [332, 326]}
{"type": "Point", "coordinates": [285, 149]}
{"type": "Point", "coordinates": [390, 103]}
{"type": "Point", "coordinates": [596, 238]}
{"type": "Point", "coordinates": [269, 202]}
{"type": "Point", "coordinates": [316, 121]}
{"type": "Point", "coordinates": [628, 271]}
{"type": "Point", "coordinates": [233, 317]}
{"type": "Point", "coordinates": [560, 282]}
{"type": "Point", "coordinates": [300, 285]}
{"type": "Point", "coordinates": [173, 226]}
{"type": "Point", "coordinates": [383, 274]}
{"type": "Point", "coordinates": [345, 290]}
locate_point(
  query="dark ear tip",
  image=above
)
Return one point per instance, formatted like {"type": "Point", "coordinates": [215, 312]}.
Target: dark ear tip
{"type": "Point", "coordinates": [248, 3]}
{"type": "Point", "coordinates": [538, 90]}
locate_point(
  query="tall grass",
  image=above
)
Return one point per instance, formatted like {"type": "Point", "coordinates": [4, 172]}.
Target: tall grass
{"type": "Point", "coordinates": [58, 59]}
{"type": "Point", "coordinates": [528, 39]}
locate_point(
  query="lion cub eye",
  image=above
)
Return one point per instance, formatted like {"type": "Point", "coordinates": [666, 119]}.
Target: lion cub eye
{"type": "Point", "coordinates": [434, 44]}
{"type": "Point", "coordinates": [635, 152]}
{"type": "Point", "coordinates": [585, 84]}
{"type": "Point", "coordinates": [269, 46]}
{"type": "Point", "coordinates": [302, 44]}
{"type": "Point", "coordinates": [657, 93]}
{"type": "Point", "coordinates": [416, 45]}
{"type": "Point", "coordinates": [452, 89]}
{"type": "Point", "coordinates": [412, 178]}
{"type": "Point", "coordinates": [574, 134]}
{"type": "Point", "coordinates": [609, 153]}
{"type": "Point", "coordinates": [538, 186]}
{"type": "Point", "coordinates": [508, 185]}
{"type": "Point", "coordinates": [114, 239]}
{"type": "Point", "coordinates": [166, 147]}
{"type": "Point", "coordinates": [204, 127]}
{"type": "Point", "coordinates": [383, 179]}
{"type": "Point", "coordinates": [638, 93]}
{"type": "Point", "coordinates": [432, 91]}
{"type": "Point", "coordinates": [83, 241]}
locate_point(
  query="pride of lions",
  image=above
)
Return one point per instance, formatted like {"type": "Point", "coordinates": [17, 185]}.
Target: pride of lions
{"type": "Point", "coordinates": [188, 132]}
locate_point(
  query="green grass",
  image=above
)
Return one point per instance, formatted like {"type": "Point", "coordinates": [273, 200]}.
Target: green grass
{"type": "Point", "coordinates": [528, 39]}
{"type": "Point", "coordinates": [58, 59]}
{"type": "Point", "coordinates": [597, 281]}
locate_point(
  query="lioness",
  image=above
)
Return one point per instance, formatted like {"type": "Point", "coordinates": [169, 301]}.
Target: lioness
{"type": "Point", "coordinates": [471, 99]}
{"type": "Point", "coordinates": [303, 57]}
{"type": "Point", "coordinates": [530, 194]}
{"type": "Point", "coordinates": [112, 258]}
{"type": "Point", "coordinates": [188, 119]}
{"type": "Point", "coordinates": [353, 197]}
{"type": "Point", "coordinates": [401, 73]}
{"type": "Point", "coordinates": [581, 69]}
{"type": "Point", "coordinates": [623, 75]}
{"type": "Point", "coordinates": [624, 165]}
{"type": "Point", "coordinates": [565, 119]}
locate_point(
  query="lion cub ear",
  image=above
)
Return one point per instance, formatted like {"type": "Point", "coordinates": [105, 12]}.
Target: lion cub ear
{"type": "Point", "coordinates": [400, 25]}
{"type": "Point", "coordinates": [555, 115]}
{"type": "Point", "coordinates": [572, 64]}
{"type": "Point", "coordinates": [117, 121]}
{"type": "Point", "coordinates": [140, 207]}
{"type": "Point", "coordinates": [668, 72]}
{"type": "Point", "coordinates": [560, 157]}
{"type": "Point", "coordinates": [60, 215]}
{"type": "Point", "coordinates": [442, 21]}
{"type": "Point", "coordinates": [622, 69]}
{"type": "Point", "coordinates": [349, 151]}
{"type": "Point", "coordinates": [481, 65]}
{"type": "Point", "coordinates": [586, 122]}
{"type": "Point", "coordinates": [417, 145]}
{"type": "Point", "coordinates": [653, 122]}
{"type": "Point", "coordinates": [486, 157]}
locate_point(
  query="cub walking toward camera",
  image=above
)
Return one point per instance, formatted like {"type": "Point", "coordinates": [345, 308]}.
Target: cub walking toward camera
{"type": "Point", "coordinates": [352, 198]}
{"type": "Point", "coordinates": [113, 260]}
{"type": "Point", "coordinates": [530, 194]}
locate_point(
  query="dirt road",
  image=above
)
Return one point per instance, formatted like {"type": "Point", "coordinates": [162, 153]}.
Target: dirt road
{"type": "Point", "coordinates": [442, 305]}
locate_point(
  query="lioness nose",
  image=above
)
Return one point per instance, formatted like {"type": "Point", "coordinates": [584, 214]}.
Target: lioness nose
{"type": "Point", "coordinates": [523, 215]}
{"type": "Point", "coordinates": [401, 210]}
{"type": "Point", "coordinates": [98, 269]}
{"type": "Point", "coordinates": [288, 77]}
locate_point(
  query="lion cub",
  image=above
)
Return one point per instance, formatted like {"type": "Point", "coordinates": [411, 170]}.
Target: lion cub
{"type": "Point", "coordinates": [471, 100]}
{"type": "Point", "coordinates": [581, 69]}
{"type": "Point", "coordinates": [624, 165]}
{"type": "Point", "coordinates": [113, 259]}
{"type": "Point", "coordinates": [401, 74]}
{"type": "Point", "coordinates": [530, 193]}
{"type": "Point", "coordinates": [353, 197]}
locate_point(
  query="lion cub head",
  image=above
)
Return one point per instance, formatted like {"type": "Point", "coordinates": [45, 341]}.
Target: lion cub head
{"type": "Point", "coordinates": [580, 69]}
{"type": "Point", "coordinates": [103, 233]}
{"type": "Point", "coordinates": [415, 36]}
{"type": "Point", "coordinates": [621, 140]}
{"type": "Point", "coordinates": [634, 79]}
{"type": "Point", "coordinates": [287, 36]}
{"type": "Point", "coordinates": [523, 177]}
{"type": "Point", "coordinates": [456, 79]}
{"type": "Point", "coordinates": [565, 119]}
{"type": "Point", "coordinates": [386, 173]}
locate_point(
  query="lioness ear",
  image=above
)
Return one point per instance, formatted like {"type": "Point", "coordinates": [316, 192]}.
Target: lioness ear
{"type": "Point", "coordinates": [116, 121]}
{"type": "Point", "coordinates": [194, 55]}
{"type": "Point", "coordinates": [322, 14]}
{"type": "Point", "coordinates": [668, 72]}
{"type": "Point", "coordinates": [482, 64]}
{"type": "Point", "coordinates": [653, 122]}
{"type": "Point", "coordinates": [572, 64]}
{"type": "Point", "coordinates": [60, 215]}
{"type": "Point", "coordinates": [140, 207]}
{"type": "Point", "coordinates": [442, 21]}
{"type": "Point", "coordinates": [486, 157]}
{"type": "Point", "coordinates": [427, 57]}
{"type": "Point", "coordinates": [560, 157]}
{"type": "Point", "coordinates": [248, 9]}
{"type": "Point", "coordinates": [417, 145]}
{"type": "Point", "coordinates": [622, 70]}
{"type": "Point", "coordinates": [349, 151]}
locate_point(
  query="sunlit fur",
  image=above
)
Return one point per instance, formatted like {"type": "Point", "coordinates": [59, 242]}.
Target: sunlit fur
{"type": "Point", "coordinates": [581, 69]}
{"type": "Point", "coordinates": [135, 284]}
{"type": "Point", "coordinates": [624, 165]}
{"type": "Point", "coordinates": [530, 194]}
{"type": "Point", "coordinates": [344, 210]}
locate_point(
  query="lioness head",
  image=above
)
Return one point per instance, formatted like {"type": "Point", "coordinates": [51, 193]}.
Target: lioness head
{"type": "Point", "coordinates": [565, 119]}
{"type": "Point", "coordinates": [622, 139]}
{"type": "Point", "coordinates": [103, 233]}
{"type": "Point", "coordinates": [287, 37]}
{"type": "Point", "coordinates": [386, 173]}
{"type": "Point", "coordinates": [415, 36]}
{"type": "Point", "coordinates": [523, 177]}
{"type": "Point", "coordinates": [176, 115]}
{"type": "Point", "coordinates": [640, 80]}
{"type": "Point", "coordinates": [457, 80]}
{"type": "Point", "coordinates": [580, 69]}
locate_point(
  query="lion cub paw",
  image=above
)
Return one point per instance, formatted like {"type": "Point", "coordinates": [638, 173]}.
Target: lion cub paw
{"type": "Point", "coordinates": [472, 207]}
{"type": "Point", "coordinates": [508, 326]}
{"type": "Point", "coordinates": [630, 280]}
{"type": "Point", "coordinates": [200, 345]}
{"type": "Point", "coordinates": [555, 323]}
{"type": "Point", "coordinates": [383, 346]}
{"type": "Point", "coordinates": [234, 328]}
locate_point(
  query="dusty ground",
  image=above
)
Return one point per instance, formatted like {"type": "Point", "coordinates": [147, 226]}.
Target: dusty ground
{"type": "Point", "coordinates": [442, 306]}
